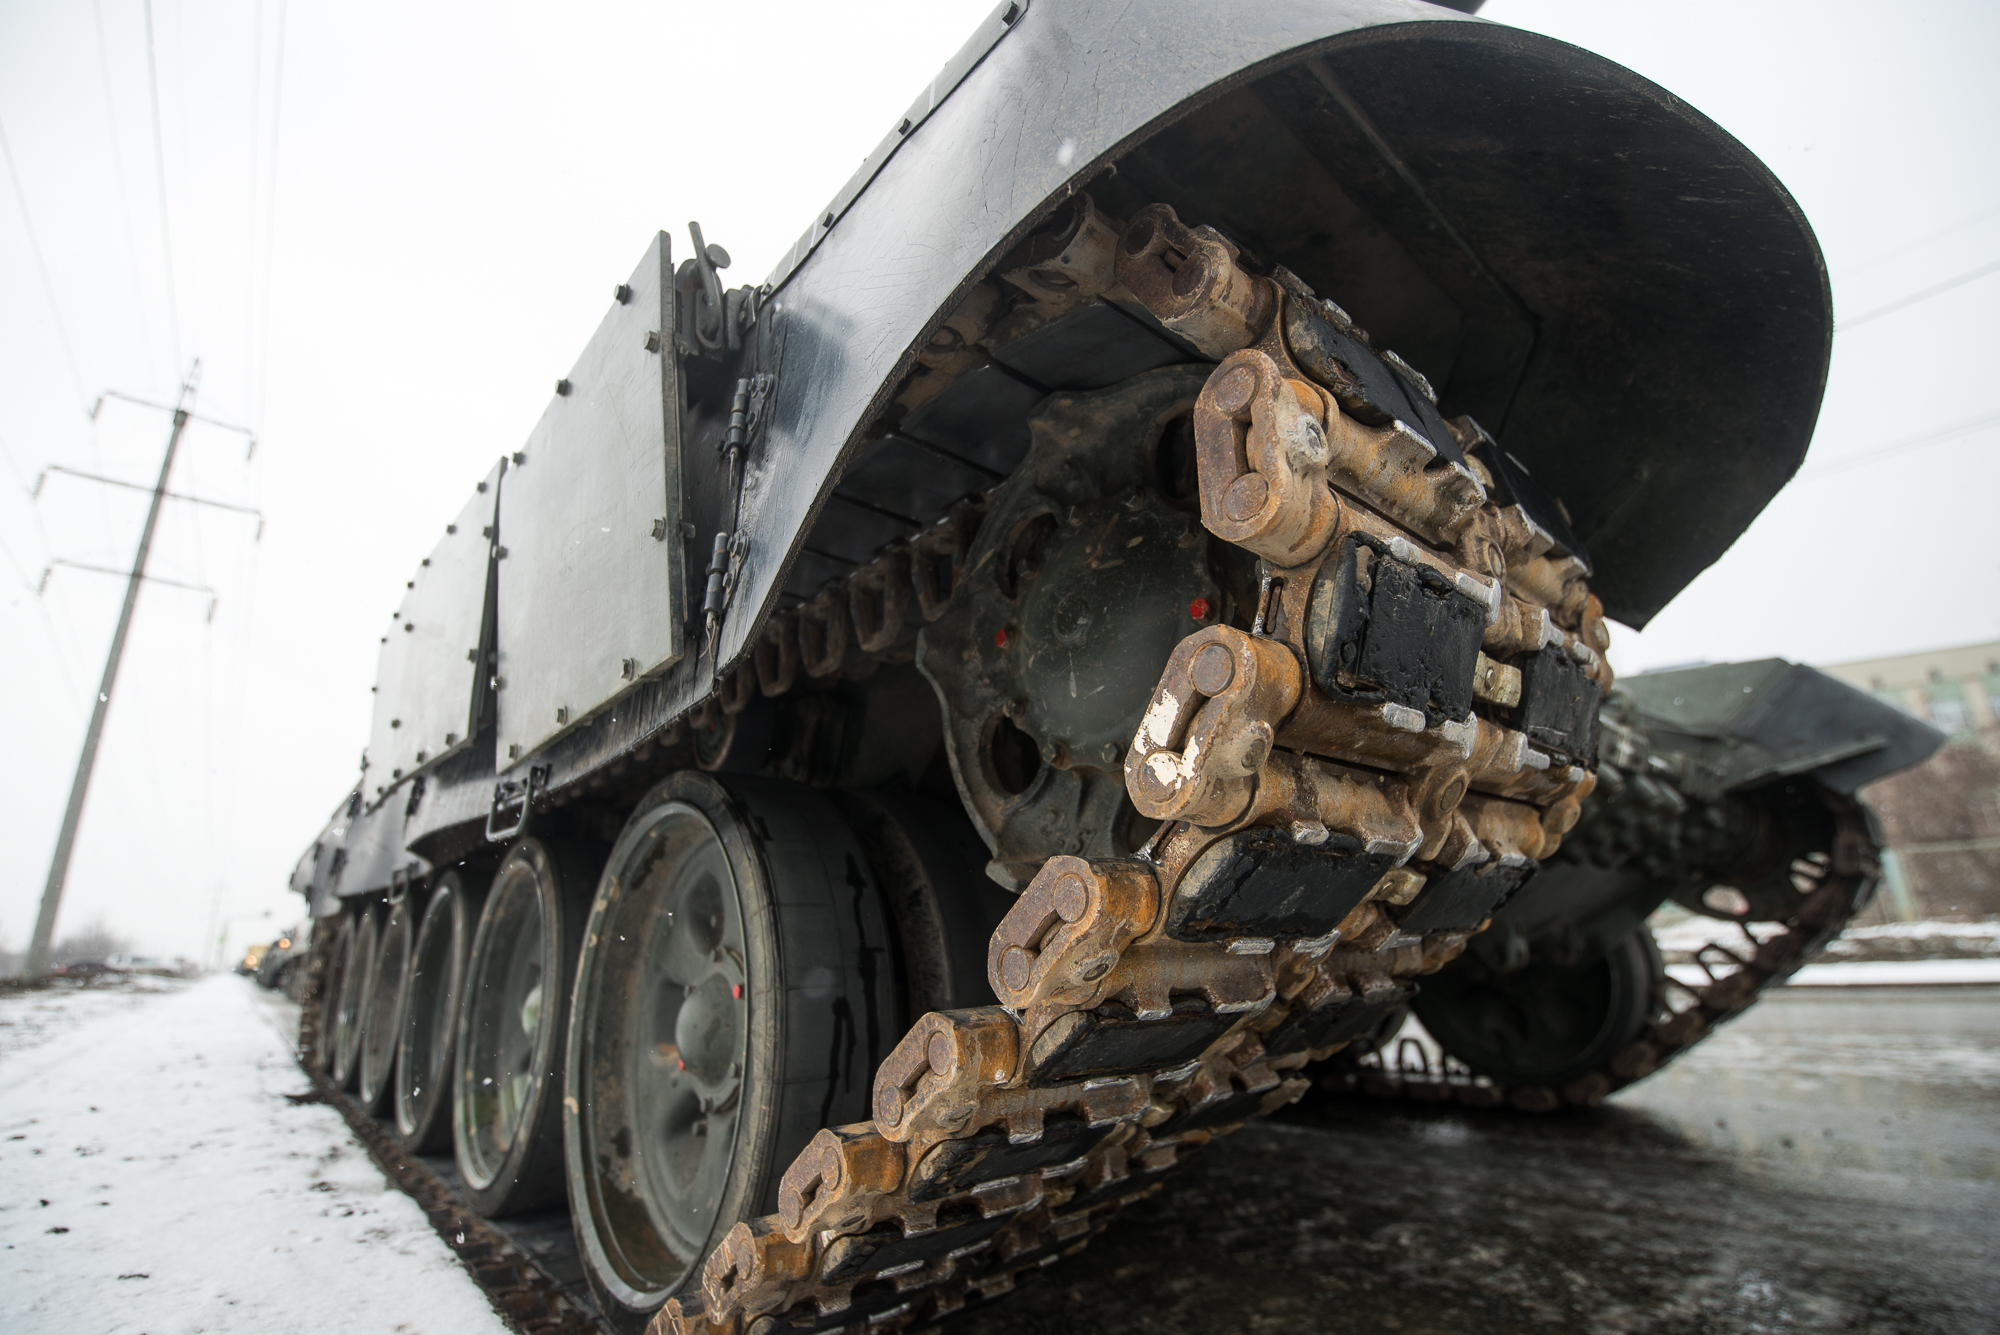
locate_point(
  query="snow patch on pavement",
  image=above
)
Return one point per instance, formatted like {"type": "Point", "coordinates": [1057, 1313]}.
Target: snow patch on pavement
{"type": "Point", "coordinates": [154, 1179]}
{"type": "Point", "coordinates": [1880, 973]}
{"type": "Point", "coordinates": [1867, 973]}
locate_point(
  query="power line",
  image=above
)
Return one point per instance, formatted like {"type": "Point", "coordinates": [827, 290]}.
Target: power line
{"type": "Point", "coordinates": [118, 167]}
{"type": "Point", "coordinates": [1964, 427]}
{"type": "Point", "coordinates": [19, 569]}
{"type": "Point", "coordinates": [14, 467]}
{"type": "Point", "coordinates": [170, 495]}
{"type": "Point", "coordinates": [34, 511]}
{"type": "Point", "coordinates": [160, 168]}
{"type": "Point", "coordinates": [1924, 240]}
{"type": "Point", "coordinates": [270, 215]}
{"type": "Point", "coordinates": [67, 564]}
{"type": "Point", "coordinates": [1915, 297]}
{"type": "Point", "coordinates": [41, 266]}
{"type": "Point", "coordinates": [250, 220]}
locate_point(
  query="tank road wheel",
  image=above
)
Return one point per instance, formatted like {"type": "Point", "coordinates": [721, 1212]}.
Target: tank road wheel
{"type": "Point", "coordinates": [422, 1093]}
{"type": "Point", "coordinates": [736, 991]}
{"type": "Point", "coordinates": [506, 1124]}
{"type": "Point", "coordinates": [1545, 1023]}
{"type": "Point", "coordinates": [332, 938]}
{"type": "Point", "coordinates": [384, 1015]}
{"type": "Point", "coordinates": [357, 982]}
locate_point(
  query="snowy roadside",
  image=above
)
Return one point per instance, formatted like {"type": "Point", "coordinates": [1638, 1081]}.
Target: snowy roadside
{"type": "Point", "coordinates": [1887, 955]}
{"type": "Point", "coordinates": [154, 1178]}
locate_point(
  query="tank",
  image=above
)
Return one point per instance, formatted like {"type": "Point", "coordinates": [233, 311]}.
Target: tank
{"type": "Point", "coordinates": [905, 752]}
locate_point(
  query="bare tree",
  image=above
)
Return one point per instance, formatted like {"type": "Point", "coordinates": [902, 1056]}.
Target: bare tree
{"type": "Point", "coordinates": [93, 941]}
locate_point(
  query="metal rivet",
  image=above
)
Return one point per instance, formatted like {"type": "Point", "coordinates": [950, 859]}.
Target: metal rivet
{"type": "Point", "coordinates": [562, 387]}
{"type": "Point", "coordinates": [628, 668]}
{"type": "Point", "coordinates": [624, 294]}
{"type": "Point", "coordinates": [520, 457]}
{"type": "Point", "coordinates": [659, 530]}
{"type": "Point", "coordinates": [514, 751]}
{"type": "Point", "coordinates": [652, 340]}
{"type": "Point", "coordinates": [562, 713]}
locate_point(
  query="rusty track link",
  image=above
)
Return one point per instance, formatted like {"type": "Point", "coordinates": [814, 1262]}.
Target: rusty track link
{"type": "Point", "coordinates": [1335, 818]}
{"type": "Point", "coordinates": [529, 1300]}
{"type": "Point", "coordinates": [1823, 914]}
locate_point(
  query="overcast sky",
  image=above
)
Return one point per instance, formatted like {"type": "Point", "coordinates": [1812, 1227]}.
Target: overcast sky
{"type": "Point", "coordinates": [390, 235]}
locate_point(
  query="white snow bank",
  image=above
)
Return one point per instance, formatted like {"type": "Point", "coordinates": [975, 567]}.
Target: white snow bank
{"type": "Point", "coordinates": [153, 1178]}
{"type": "Point", "coordinates": [1984, 929]}
{"type": "Point", "coordinates": [1691, 934]}
{"type": "Point", "coordinates": [1849, 973]}
{"type": "Point", "coordinates": [1871, 973]}
{"type": "Point", "coordinates": [1694, 933]}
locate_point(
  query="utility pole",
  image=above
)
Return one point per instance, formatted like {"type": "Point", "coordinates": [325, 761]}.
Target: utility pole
{"type": "Point", "coordinates": [37, 962]}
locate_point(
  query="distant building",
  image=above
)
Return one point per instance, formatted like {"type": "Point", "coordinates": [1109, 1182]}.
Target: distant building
{"type": "Point", "coordinates": [1954, 690]}
{"type": "Point", "coordinates": [1943, 817]}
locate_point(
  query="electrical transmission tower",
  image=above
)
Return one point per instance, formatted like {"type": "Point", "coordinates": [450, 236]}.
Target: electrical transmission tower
{"type": "Point", "coordinates": [37, 962]}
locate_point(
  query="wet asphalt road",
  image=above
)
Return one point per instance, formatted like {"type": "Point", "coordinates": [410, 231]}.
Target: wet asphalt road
{"type": "Point", "coordinates": [1829, 1162]}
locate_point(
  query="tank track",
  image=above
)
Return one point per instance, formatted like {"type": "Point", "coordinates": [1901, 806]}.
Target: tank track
{"type": "Point", "coordinates": [1335, 820]}
{"type": "Point", "coordinates": [1834, 888]}
{"type": "Point", "coordinates": [1073, 1210]}
{"type": "Point", "coordinates": [527, 1298]}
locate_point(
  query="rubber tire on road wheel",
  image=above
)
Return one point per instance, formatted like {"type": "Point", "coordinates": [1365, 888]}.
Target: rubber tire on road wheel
{"type": "Point", "coordinates": [1543, 1024]}
{"type": "Point", "coordinates": [737, 918]}
{"type": "Point", "coordinates": [931, 864]}
{"type": "Point", "coordinates": [357, 983]}
{"type": "Point", "coordinates": [506, 1112]}
{"type": "Point", "coordinates": [333, 935]}
{"type": "Point", "coordinates": [385, 1010]}
{"type": "Point", "coordinates": [422, 1095]}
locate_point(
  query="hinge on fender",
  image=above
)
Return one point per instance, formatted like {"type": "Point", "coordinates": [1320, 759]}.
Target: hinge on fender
{"type": "Point", "coordinates": [725, 558]}
{"type": "Point", "coordinates": [713, 322]}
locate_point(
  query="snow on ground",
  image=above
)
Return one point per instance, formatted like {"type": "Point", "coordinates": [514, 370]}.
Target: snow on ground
{"type": "Point", "coordinates": [1880, 973]}
{"type": "Point", "coordinates": [1869, 973]}
{"type": "Point", "coordinates": [153, 1178]}
{"type": "Point", "coordinates": [1896, 943]}
{"type": "Point", "coordinates": [1986, 929]}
